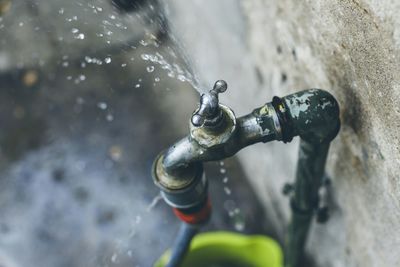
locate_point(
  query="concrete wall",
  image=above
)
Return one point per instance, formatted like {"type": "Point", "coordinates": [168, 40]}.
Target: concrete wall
{"type": "Point", "coordinates": [348, 47]}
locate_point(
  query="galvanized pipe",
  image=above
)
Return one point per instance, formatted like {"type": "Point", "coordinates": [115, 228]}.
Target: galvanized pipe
{"type": "Point", "coordinates": [309, 175]}
{"type": "Point", "coordinates": [314, 116]}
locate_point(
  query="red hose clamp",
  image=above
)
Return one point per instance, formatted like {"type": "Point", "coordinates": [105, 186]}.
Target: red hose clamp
{"type": "Point", "coordinates": [197, 217]}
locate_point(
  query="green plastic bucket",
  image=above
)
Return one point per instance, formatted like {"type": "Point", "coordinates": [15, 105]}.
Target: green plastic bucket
{"type": "Point", "coordinates": [230, 249]}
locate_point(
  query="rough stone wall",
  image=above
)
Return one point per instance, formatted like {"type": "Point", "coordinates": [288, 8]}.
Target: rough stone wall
{"type": "Point", "coordinates": [348, 47]}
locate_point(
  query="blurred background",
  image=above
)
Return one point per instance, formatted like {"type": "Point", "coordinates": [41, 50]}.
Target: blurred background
{"type": "Point", "coordinates": [91, 92]}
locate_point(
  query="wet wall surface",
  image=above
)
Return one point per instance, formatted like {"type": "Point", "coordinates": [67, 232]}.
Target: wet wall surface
{"type": "Point", "coordinates": [78, 134]}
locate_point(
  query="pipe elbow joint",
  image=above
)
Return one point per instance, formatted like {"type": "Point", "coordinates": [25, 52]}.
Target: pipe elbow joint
{"type": "Point", "coordinates": [312, 114]}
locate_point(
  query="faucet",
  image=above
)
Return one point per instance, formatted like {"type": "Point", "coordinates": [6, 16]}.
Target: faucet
{"type": "Point", "coordinates": [215, 134]}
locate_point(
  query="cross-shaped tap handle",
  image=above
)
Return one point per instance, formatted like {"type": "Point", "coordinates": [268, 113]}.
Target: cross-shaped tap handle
{"type": "Point", "coordinates": [209, 111]}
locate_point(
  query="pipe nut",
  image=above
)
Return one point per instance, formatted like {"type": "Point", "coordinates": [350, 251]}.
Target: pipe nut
{"type": "Point", "coordinates": [183, 188]}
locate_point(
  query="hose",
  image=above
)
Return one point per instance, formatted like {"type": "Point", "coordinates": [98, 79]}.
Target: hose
{"type": "Point", "coordinates": [182, 244]}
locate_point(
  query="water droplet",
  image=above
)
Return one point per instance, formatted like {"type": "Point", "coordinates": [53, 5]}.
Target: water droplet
{"type": "Point", "coordinates": [107, 60]}
{"type": "Point", "coordinates": [102, 105]}
{"type": "Point", "coordinates": [115, 153]}
{"type": "Point", "coordinates": [74, 30]}
{"type": "Point", "coordinates": [21, 24]}
{"type": "Point", "coordinates": [123, 65]}
{"type": "Point", "coordinates": [114, 258]}
{"type": "Point", "coordinates": [145, 57]}
{"type": "Point", "coordinates": [182, 78]}
{"type": "Point", "coordinates": [82, 77]}
{"type": "Point", "coordinates": [88, 59]}
{"type": "Point", "coordinates": [227, 190]}
{"type": "Point", "coordinates": [65, 64]}
{"type": "Point", "coordinates": [137, 85]}
{"type": "Point", "coordinates": [109, 117]}
{"type": "Point", "coordinates": [157, 79]}
{"type": "Point", "coordinates": [239, 225]}
{"type": "Point", "coordinates": [80, 36]}
{"type": "Point", "coordinates": [143, 42]}
{"type": "Point", "coordinates": [222, 170]}
{"type": "Point", "coordinates": [225, 180]}
{"type": "Point", "coordinates": [221, 163]}
{"type": "Point", "coordinates": [61, 11]}
{"type": "Point", "coordinates": [150, 68]}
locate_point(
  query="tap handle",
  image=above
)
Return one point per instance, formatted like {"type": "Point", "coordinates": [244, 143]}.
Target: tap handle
{"type": "Point", "coordinates": [209, 110]}
{"type": "Point", "coordinates": [220, 86]}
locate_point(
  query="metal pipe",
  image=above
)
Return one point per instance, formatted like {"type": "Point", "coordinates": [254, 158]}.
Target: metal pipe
{"type": "Point", "coordinates": [314, 116]}
{"type": "Point", "coordinates": [259, 126]}
{"type": "Point", "coordinates": [309, 175]}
